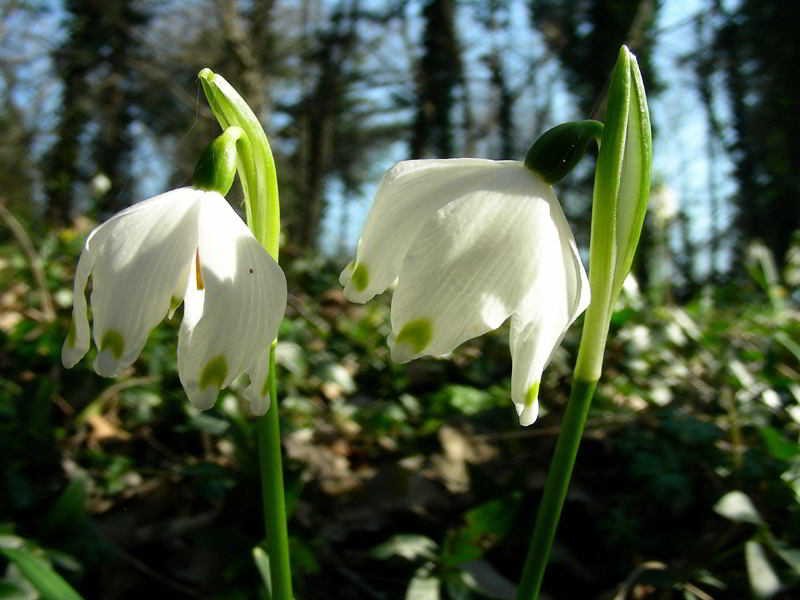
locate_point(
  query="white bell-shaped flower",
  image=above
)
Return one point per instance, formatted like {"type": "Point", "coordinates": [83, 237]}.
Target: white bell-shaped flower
{"type": "Point", "coordinates": [190, 245]}
{"type": "Point", "coordinates": [471, 242]}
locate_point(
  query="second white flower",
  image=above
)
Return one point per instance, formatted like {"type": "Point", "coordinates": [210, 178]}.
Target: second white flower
{"type": "Point", "coordinates": [471, 242]}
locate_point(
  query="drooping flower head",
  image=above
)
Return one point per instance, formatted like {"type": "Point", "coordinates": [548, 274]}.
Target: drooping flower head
{"type": "Point", "coordinates": [187, 245]}
{"type": "Point", "coordinates": [471, 242]}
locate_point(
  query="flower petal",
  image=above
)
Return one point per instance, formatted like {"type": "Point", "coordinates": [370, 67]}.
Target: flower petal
{"type": "Point", "coordinates": [77, 343]}
{"type": "Point", "coordinates": [556, 296]}
{"type": "Point", "coordinates": [258, 390]}
{"type": "Point", "coordinates": [233, 305]}
{"type": "Point", "coordinates": [136, 258]}
{"type": "Point", "coordinates": [474, 262]}
{"type": "Point", "coordinates": [408, 195]}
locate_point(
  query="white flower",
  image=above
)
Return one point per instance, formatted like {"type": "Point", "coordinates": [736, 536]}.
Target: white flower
{"type": "Point", "coordinates": [471, 242]}
{"type": "Point", "coordinates": [189, 245]}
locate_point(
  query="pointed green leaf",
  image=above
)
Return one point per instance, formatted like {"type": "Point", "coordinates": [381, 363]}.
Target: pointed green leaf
{"type": "Point", "coordinates": [41, 575]}
{"type": "Point", "coordinates": [777, 445]}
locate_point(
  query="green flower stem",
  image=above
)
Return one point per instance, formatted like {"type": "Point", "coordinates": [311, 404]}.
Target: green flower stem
{"type": "Point", "coordinates": [259, 178]}
{"type": "Point", "coordinates": [269, 455]}
{"type": "Point", "coordinates": [555, 488]}
{"type": "Point", "coordinates": [621, 188]}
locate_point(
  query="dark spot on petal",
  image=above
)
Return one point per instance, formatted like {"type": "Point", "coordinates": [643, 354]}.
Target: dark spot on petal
{"type": "Point", "coordinates": [251, 270]}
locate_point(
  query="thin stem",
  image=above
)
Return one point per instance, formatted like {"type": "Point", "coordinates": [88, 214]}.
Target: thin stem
{"type": "Point", "coordinates": [269, 455]}
{"type": "Point", "coordinates": [555, 488]}
{"type": "Point", "coordinates": [259, 179]}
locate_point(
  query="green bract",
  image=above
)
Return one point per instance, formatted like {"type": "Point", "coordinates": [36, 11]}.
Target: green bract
{"type": "Point", "coordinates": [254, 160]}
{"type": "Point", "coordinates": [621, 190]}
{"type": "Point", "coordinates": [635, 175]}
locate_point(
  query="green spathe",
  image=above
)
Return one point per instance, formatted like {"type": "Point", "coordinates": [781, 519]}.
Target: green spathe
{"type": "Point", "coordinates": [559, 149]}
{"type": "Point", "coordinates": [621, 190]}
{"type": "Point", "coordinates": [217, 165]}
{"type": "Point", "coordinates": [635, 176]}
{"type": "Point", "coordinates": [255, 162]}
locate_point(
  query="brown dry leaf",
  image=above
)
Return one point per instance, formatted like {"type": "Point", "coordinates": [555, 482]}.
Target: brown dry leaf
{"type": "Point", "coordinates": [324, 464]}
{"type": "Point", "coordinates": [103, 429]}
{"type": "Point", "coordinates": [459, 448]}
{"type": "Point", "coordinates": [331, 390]}
{"type": "Point", "coordinates": [12, 297]}
{"type": "Point", "coordinates": [9, 320]}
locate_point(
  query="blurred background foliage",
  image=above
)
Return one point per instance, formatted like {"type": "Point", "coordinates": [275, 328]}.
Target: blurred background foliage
{"type": "Point", "coordinates": [415, 481]}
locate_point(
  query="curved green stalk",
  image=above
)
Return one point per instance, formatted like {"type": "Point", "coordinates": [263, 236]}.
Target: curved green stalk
{"type": "Point", "coordinates": [269, 456]}
{"type": "Point", "coordinates": [256, 167]}
{"type": "Point", "coordinates": [555, 489]}
{"type": "Point", "coordinates": [621, 188]}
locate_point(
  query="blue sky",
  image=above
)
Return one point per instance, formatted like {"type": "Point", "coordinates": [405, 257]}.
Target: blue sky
{"type": "Point", "coordinates": [680, 147]}
{"type": "Point", "coordinates": [680, 152]}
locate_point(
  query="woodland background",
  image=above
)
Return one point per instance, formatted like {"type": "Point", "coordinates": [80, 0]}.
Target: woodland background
{"type": "Point", "coordinates": [410, 481]}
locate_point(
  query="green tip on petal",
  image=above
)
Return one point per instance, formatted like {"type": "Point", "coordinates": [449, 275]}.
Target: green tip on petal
{"type": "Point", "coordinates": [416, 334]}
{"type": "Point", "coordinates": [532, 394]}
{"type": "Point", "coordinates": [558, 150]}
{"type": "Point", "coordinates": [214, 373]}
{"type": "Point", "coordinates": [360, 277]}
{"type": "Point", "coordinates": [529, 410]}
{"type": "Point", "coordinates": [174, 303]}
{"type": "Point", "coordinates": [72, 334]}
{"type": "Point", "coordinates": [114, 342]}
{"type": "Point", "coordinates": [217, 165]}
